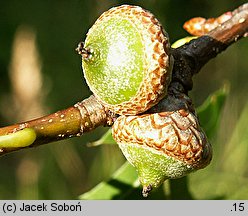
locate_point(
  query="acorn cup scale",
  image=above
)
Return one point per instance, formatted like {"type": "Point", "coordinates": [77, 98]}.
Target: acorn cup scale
{"type": "Point", "coordinates": [126, 60]}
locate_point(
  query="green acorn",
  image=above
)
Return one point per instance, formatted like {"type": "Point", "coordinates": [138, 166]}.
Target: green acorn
{"type": "Point", "coordinates": [164, 145]}
{"type": "Point", "coordinates": [126, 60]}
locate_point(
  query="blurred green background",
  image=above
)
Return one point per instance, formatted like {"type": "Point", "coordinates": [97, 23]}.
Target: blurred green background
{"type": "Point", "coordinates": [54, 81]}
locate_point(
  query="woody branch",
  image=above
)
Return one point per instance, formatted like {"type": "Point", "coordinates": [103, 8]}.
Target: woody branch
{"type": "Point", "coordinates": [88, 114]}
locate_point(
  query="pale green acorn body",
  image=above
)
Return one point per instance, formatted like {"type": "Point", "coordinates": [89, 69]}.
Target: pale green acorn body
{"type": "Point", "coordinates": [129, 63]}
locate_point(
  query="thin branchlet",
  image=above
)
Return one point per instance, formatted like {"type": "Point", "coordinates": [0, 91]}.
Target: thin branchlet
{"type": "Point", "coordinates": [83, 117]}
{"type": "Point", "coordinates": [191, 57]}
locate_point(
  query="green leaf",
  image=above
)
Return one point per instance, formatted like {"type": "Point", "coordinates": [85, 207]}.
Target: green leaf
{"type": "Point", "coordinates": [218, 185]}
{"type": "Point", "coordinates": [119, 186]}
{"type": "Point", "coordinates": [209, 111]}
{"type": "Point", "coordinates": [227, 173]}
{"type": "Point", "coordinates": [107, 138]}
{"type": "Point", "coordinates": [235, 153]}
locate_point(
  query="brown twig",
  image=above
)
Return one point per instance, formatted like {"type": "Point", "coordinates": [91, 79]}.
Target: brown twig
{"type": "Point", "coordinates": [191, 57]}
{"type": "Point", "coordinates": [89, 114]}
{"type": "Point", "coordinates": [74, 121]}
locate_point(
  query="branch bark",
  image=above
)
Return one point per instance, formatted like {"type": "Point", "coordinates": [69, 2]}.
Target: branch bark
{"type": "Point", "coordinates": [89, 113]}
{"type": "Point", "coordinates": [74, 121]}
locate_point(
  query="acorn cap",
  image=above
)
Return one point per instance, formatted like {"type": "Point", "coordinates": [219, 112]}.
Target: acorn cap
{"type": "Point", "coordinates": [127, 64]}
